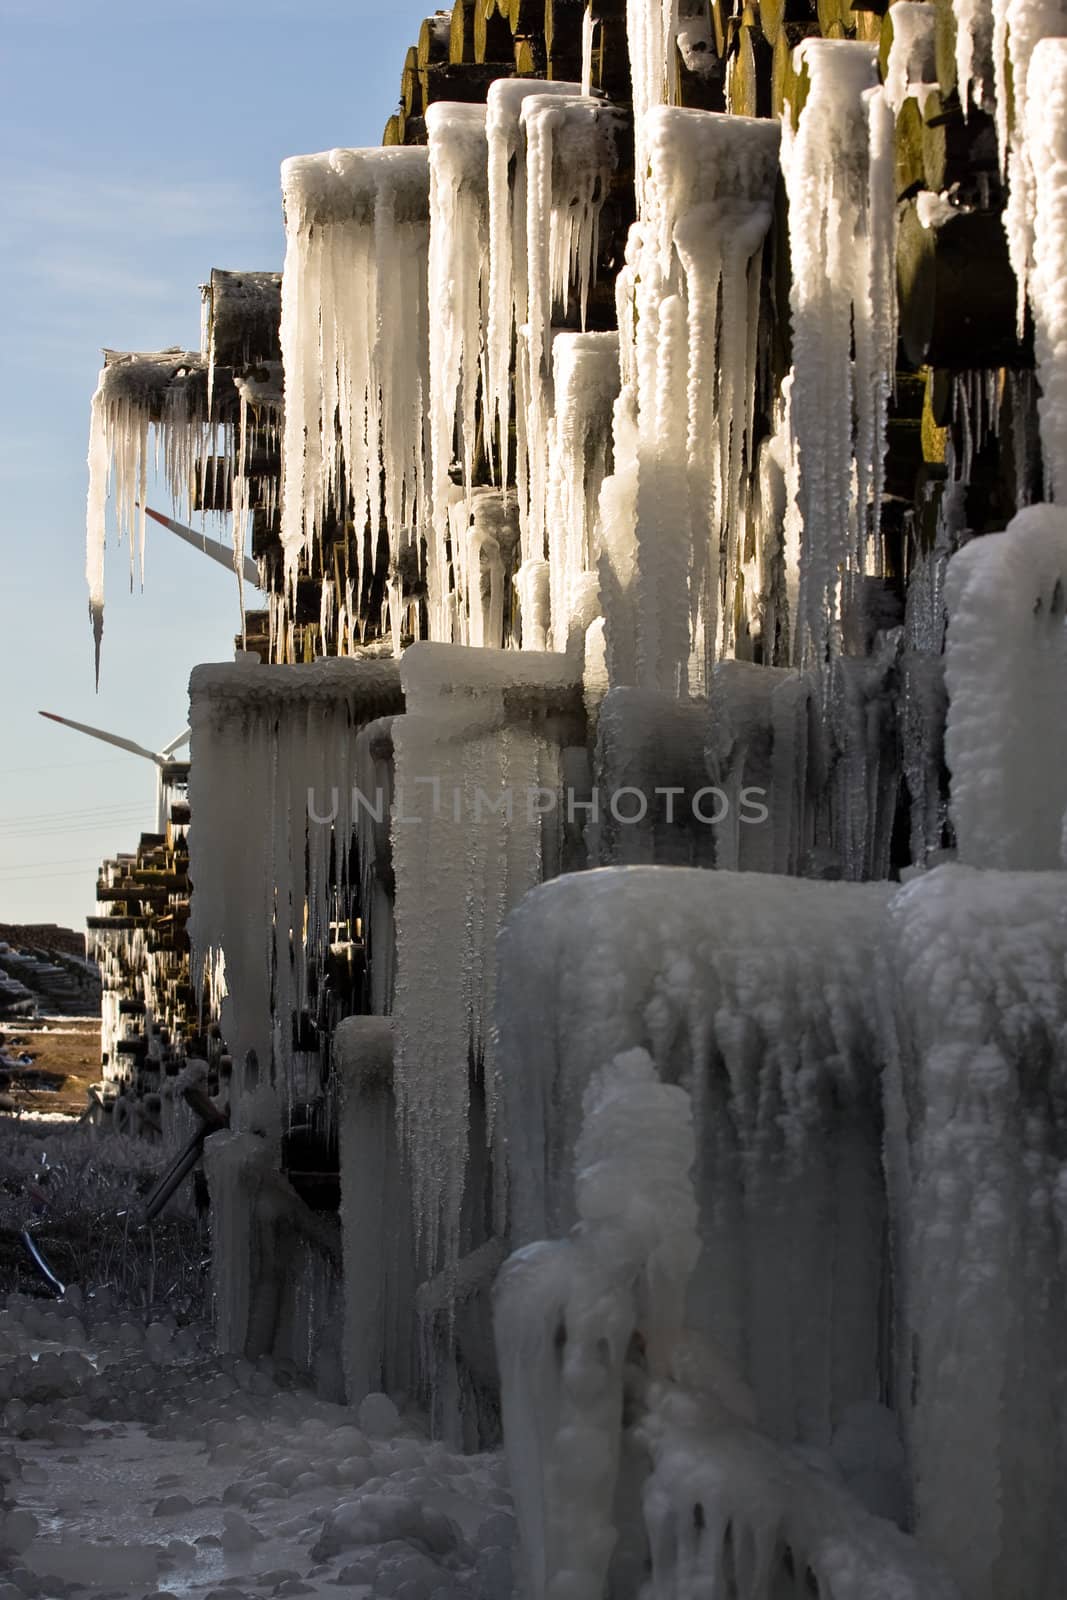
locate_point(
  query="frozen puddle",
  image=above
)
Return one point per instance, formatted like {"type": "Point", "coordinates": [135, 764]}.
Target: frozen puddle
{"type": "Point", "coordinates": [133, 1466]}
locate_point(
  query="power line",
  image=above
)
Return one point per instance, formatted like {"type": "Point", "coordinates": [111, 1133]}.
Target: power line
{"type": "Point", "coordinates": [60, 816]}
{"type": "Point", "coordinates": [58, 766]}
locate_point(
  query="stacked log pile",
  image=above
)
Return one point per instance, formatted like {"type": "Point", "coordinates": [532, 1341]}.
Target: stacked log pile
{"type": "Point", "coordinates": [139, 938]}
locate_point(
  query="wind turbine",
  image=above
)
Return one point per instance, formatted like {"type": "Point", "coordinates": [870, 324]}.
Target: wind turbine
{"type": "Point", "coordinates": [160, 758]}
{"type": "Point", "coordinates": [222, 553]}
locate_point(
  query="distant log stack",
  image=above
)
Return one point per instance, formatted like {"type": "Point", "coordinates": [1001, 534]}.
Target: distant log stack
{"type": "Point", "coordinates": [139, 938]}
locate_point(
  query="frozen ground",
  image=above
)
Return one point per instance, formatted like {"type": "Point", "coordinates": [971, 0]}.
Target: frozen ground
{"type": "Point", "coordinates": [137, 1463]}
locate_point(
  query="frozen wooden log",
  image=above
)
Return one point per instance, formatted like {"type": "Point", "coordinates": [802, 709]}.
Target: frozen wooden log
{"type": "Point", "coordinates": [467, 84]}
{"type": "Point", "coordinates": [526, 16]}
{"type": "Point", "coordinates": [461, 33]}
{"type": "Point", "coordinates": [909, 170]}
{"type": "Point", "coordinates": [530, 58]}
{"type": "Point", "coordinates": [564, 20]}
{"type": "Point", "coordinates": [244, 311]}
{"type": "Point", "coordinates": [493, 39]}
{"type": "Point", "coordinates": [960, 152]}
{"type": "Point", "coordinates": [435, 36]}
{"type": "Point", "coordinates": [410, 86]}
{"type": "Point", "coordinates": [956, 287]}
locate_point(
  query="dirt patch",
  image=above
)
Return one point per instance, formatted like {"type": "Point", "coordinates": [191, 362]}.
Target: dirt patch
{"type": "Point", "coordinates": [64, 1060]}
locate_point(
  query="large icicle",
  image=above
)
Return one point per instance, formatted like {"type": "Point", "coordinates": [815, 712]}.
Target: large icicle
{"type": "Point", "coordinates": [1047, 140]}
{"type": "Point", "coordinates": [571, 152]}
{"type": "Point", "coordinates": [355, 349]}
{"type": "Point", "coordinates": [651, 33]}
{"type": "Point", "coordinates": [977, 1166]}
{"type": "Point", "coordinates": [1018, 25]}
{"type": "Point", "coordinates": [508, 272]}
{"type": "Point", "coordinates": [272, 785]}
{"type": "Point", "coordinates": [687, 315]}
{"type": "Point", "coordinates": [1006, 673]}
{"type": "Point", "coordinates": [586, 385]}
{"type": "Point", "coordinates": [839, 356]}
{"type": "Point", "coordinates": [752, 991]}
{"type": "Point", "coordinates": [477, 821]}
{"type": "Point", "coordinates": [975, 76]}
{"type": "Point", "coordinates": [165, 391]}
{"type": "Point", "coordinates": [459, 300]}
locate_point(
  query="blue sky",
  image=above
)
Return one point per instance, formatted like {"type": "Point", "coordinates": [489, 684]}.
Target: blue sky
{"type": "Point", "coordinates": [140, 148]}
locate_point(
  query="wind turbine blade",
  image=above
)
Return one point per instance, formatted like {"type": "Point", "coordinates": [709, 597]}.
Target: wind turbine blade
{"type": "Point", "coordinates": [108, 738]}
{"type": "Point", "coordinates": [176, 744]}
{"type": "Point", "coordinates": [208, 547]}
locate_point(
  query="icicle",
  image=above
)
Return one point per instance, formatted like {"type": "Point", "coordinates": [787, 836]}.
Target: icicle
{"type": "Point", "coordinates": [163, 391]}
{"type": "Point", "coordinates": [355, 348]}
{"type": "Point", "coordinates": [1018, 25]}
{"type": "Point", "coordinates": [281, 741]}
{"type": "Point", "coordinates": [508, 280]}
{"type": "Point", "coordinates": [689, 376]}
{"type": "Point", "coordinates": [459, 298]}
{"type": "Point", "coordinates": [476, 822]}
{"type": "Point", "coordinates": [1047, 138]}
{"type": "Point", "coordinates": [651, 32]}
{"type": "Point", "coordinates": [974, 54]}
{"type": "Point", "coordinates": [832, 223]}
{"type": "Point", "coordinates": [571, 154]}
{"type": "Point", "coordinates": [588, 38]}
{"type": "Point", "coordinates": [586, 385]}
{"type": "Point", "coordinates": [911, 52]}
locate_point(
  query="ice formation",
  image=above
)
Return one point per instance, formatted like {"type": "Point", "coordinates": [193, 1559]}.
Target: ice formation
{"type": "Point", "coordinates": [585, 386]}
{"type": "Point", "coordinates": [378, 1262]}
{"type": "Point", "coordinates": [479, 782]}
{"type": "Point", "coordinates": [751, 992]}
{"type": "Point", "coordinates": [1006, 673]}
{"type": "Point", "coordinates": [630, 1438]}
{"type": "Point", "coordinates": [977, 1173]}
{"type": "Point", "coordinates": [670, 515]}
{"type": "Point", "coordinates": [1018, 26]}
{"type": "Point", "coordinates": [355, 349]}
{"type": "Point", "coordinates": [571, 153]}
{"type": "Point", "coordinates": [164, 390]}
{"type": "Point", "coordinates": [459, 297]}
{"type": "Point", "coordinates": [1047, 143]}
{"type": "Point", "coordinates": [911, 52]}
{"type": "Point", "coordinates": [843, 352]}
{"type": "Point", "coordinates": [565, 1315]}
{"type": "Point", "coordinates": [509, 286]}
{"type": "Point", "coordinates": [274, 766]}
{"type": "Point", "coordinates": [974, 54]}
{"type": "Point", "coordinates": [651, 31]}
{"type": "Point", "coordinates": [135, 1459]}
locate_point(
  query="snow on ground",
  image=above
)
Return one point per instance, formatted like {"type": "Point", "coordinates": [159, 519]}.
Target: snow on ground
{"type": "Point", "coordinates": [137, 1463]}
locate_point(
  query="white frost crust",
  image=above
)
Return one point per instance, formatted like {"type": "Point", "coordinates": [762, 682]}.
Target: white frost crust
{"type": "Point", "coordinates": [1006, 674]}
{"type": "Point", "coordinates": [1047, 142]}
{"type": "Point", "coordinates": [752, 992]}
{"type": "Point", "coordinates": [839, 176]}
{"type": "Point", "coordinates": [979, 1006]}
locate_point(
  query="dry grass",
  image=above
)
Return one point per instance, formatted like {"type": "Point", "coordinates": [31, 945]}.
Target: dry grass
{"type": "Point", "coordinates": [81, 1195]}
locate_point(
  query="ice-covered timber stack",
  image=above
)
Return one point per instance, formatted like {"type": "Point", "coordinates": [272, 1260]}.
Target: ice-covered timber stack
{"type": "Point", "coordinates": [150, 1018]}
{"type": "Point", "coordinates": [759, 581]}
